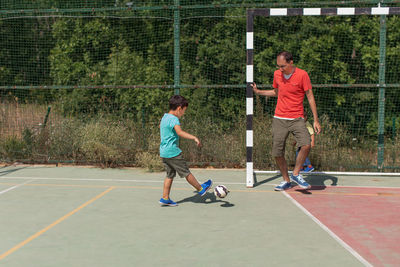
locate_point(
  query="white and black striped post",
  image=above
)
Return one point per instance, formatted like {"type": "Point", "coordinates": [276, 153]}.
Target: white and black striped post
{"type": "Point", "coordinates": [267, 12]}
{"type": "Point", "coordinates": [249, 99]}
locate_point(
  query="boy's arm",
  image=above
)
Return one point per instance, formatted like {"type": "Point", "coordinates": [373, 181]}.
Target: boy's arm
{"type": "Point", "coordinates": [312, 140]}
{"type": "Point", "coordinates": [186, 135]}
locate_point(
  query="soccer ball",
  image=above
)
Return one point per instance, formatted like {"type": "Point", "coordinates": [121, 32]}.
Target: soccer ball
{"type": "Point", "coordinates": [221, 191]}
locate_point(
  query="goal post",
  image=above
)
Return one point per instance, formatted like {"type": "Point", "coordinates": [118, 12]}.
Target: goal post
{"type": "Point", "coordinates": [282, 12]}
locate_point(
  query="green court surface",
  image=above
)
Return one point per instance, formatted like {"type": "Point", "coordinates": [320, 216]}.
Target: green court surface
{"type": "Point", "coordinates": [79, 216]}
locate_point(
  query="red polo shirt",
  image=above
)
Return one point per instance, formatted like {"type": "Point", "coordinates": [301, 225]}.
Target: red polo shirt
{"type": "Point", "coordinates": [291, 93]}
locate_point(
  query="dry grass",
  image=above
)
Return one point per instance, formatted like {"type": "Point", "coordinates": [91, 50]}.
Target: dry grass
{"type": "Point", "coordinates": [114, 142]}
{"type": "Point", "coordinates": [15, 117]}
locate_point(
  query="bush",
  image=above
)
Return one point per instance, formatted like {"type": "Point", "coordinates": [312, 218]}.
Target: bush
{"type": "Point", "coordinates": [107, 143]}
{"type": "Point", "coordinates": [150, 161]}
{"type": "Point", "coordinates": [13, 148]}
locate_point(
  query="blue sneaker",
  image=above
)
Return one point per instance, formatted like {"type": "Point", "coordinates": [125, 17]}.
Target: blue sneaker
{"type": "Point", "coordinates": [167, 202]}
{"type": "Point", "coordinates": [308, 169]}
{"type": "Point", "coordinates": [300, 181]}
{"type": "Point", "coordinates": [283, 186]}
{"type": "Point", "coordinates": [206, 186]}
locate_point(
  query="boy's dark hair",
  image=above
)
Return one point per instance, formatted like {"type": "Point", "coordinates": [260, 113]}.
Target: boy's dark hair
{"type": "Point", "coordinates": [288, 56]}
{"type": "Point", "coordinates": [177, 101]}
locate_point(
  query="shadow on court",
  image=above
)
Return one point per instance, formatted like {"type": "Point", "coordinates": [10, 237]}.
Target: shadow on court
{"type": "Point", "coordinates": [208, 198]}
{"type": "Point", "coordinates": [258, 183]}
{"type": "Point", "coordinates": [5, 172]}
{"type": "Point", "coordinates": [317, 181]}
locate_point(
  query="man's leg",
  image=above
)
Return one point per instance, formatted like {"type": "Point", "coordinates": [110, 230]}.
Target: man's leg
{"type": "Point", "coordinates": [282, 165]}
{"type": "Point", "coordinates": [301, 157]}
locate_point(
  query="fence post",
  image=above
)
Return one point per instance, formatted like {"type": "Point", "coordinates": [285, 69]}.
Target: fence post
{"type": "Point", "coordinates": [46, 117]}
{"type": "Point", "coordinates": [382, 85]}
{"type": "Point", "coordinates": [393, 139]}
{"type": "Point", "coordinates": [176, 47]}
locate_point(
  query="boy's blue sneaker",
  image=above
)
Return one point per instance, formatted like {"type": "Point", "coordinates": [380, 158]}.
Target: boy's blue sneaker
{"type": "Point", "coordinates": [283, 186]}
{"type": "Point", "coordinates": [308, 169]}
{"type": "Point", "coordinates": [300, 181]}
{"type": "Point", "coordinates": [206, 186]}
{"type": "Point", "coordinates": [167, 202]}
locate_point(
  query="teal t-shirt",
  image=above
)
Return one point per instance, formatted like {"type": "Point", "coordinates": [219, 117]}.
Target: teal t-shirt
{"type": "Point", "coordinates": [169, 146]}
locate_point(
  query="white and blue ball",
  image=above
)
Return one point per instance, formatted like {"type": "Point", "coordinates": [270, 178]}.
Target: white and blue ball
{"type": "Point", "coordinates": [221, 191]}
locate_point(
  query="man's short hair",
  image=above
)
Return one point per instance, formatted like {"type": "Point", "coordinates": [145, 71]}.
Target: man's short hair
{"type": "Point", "coordinates": [177, 101]}
{"type": "Point", "coordinates": [288, 56]}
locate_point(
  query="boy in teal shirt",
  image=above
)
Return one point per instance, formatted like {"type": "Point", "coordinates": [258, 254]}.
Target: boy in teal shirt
{"type": "Point", "coordinates": [171, 154]}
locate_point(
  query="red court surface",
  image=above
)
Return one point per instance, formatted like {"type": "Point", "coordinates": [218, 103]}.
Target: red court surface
{"type": "Point", "coordinates": [365, 218]}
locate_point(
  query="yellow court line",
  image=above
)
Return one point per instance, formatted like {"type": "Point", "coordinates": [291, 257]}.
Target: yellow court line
{"type": "Point", "coordinates": [26, 241]}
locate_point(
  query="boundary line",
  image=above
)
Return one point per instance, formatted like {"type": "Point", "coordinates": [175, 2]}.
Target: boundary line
{"type": "Point", "coordinates": [394, 174]}
{"type": "Point", "coordinates": [326, 229]}
{"type": "Point", "coordinates": [233, 190]}
{"type": "Point", "coordinates": [106, 180]}
{"type": "Point", "coordinates": [37, 234]}
{"type": "Point", "coordinates": [14, 187]}
{"type": "Point", "coordinates": [160, 181]}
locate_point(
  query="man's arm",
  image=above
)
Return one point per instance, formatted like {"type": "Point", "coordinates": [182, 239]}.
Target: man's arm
{"type": "Point", "coordinates": [313, 106]}
{"type": "Point", "coordinates": [186, 135]}
{"type": "Point", "coordinates": [264, 92]}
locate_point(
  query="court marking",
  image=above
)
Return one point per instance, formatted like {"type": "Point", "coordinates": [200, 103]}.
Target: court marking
{"type": "Point", "coordinates": [326, 229]}
{"type": "Point", "coordinates": [105, 180]}
{"type": "Point", "coordinates": [378, 194]}
{"type": "Point", "coordinates": [14, 187]}
{"type": "Point", "coordinates": [39, 233]}
{"type": "Point", "coordinates": [182, 181]}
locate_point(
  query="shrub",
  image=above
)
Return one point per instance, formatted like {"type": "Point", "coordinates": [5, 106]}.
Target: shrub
{"type": "Point", "coordinates": [149, 160]}
{"type": "Point", "coordinates": [13, 148]}
{"type": "Point", "coordinates": [107, 143]}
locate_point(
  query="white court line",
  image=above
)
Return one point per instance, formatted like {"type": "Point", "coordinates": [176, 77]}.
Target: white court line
{"type": "Point", "coordinates": [337, 173]}
{"type": "Point", "coordinates": [176, 181]}
{"type": "Point", "coordinates": [332, 234]}
{"type": "Point", "coordinates": [14, 187]}
{"type": "Point", "coordinates": [106, 180]}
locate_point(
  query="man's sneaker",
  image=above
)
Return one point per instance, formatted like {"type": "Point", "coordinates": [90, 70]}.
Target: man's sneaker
{"type": "Point", "coordinates": [167, 202]}
{"type": "Point", "coordinates": [300, 181]}
{"type": "Point", "coordinates": [283, 186]}
{"type": "Point", "coordinates": [205, 187]}
{"type": "Point", "coordinates": [308, 169]}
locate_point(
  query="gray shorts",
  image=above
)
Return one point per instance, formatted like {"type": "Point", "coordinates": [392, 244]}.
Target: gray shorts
{"type": "Point", "coordinates": [280, 131]}
{"type": "Point", "coordinates": [176, 164]}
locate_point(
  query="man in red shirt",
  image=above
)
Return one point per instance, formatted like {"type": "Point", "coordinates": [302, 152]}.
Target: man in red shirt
{"type": "Point", "coordinates": [290, 85]}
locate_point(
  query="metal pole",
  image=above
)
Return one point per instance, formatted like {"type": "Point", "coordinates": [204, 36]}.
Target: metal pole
{"type": "Point", "coordinates": [381, 103]}
{"type": "Point", "coordinates": [176, 47]}
{"type": "Point", "coordinates": [46, 117]}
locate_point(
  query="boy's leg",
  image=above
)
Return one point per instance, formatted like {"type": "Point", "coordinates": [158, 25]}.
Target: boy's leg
{"type": "Point", "coordinates": [167, 187]}
{"type": "Point", "coordinates": [201, 188]}
{"type": "Point", "coordinates": [307, 162]}
{"type": "Point", "coordinates": [193, 182]}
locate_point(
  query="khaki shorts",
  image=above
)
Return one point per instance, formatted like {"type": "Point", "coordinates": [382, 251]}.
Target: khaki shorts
{"type": "Point", "coordinates": [280, 131]}
{"type": "Point", "coordinates": [176, 164]}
